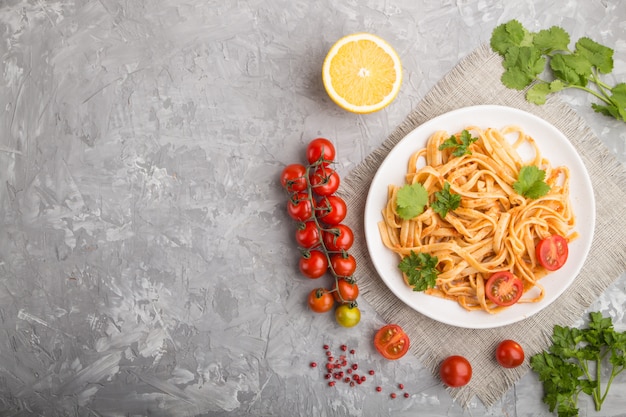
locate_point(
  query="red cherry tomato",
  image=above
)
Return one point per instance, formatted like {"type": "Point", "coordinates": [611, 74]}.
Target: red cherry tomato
{"type": "Point", "coordinates": [331, 210]}
{"type": "Point", "coordinates": [324, 181]}
{"type": "Point", "coordinates": [320, 150]}
{"type": "Point", "coordinates": [307, 235]}
{"type": "Point", "coordinates": [509, 354]}
{"type": "Point", "coordinates": [348, 315]}
{"type": "Point", "coordinates": [552, 252]}
{"type": "Point", "coordinates": [338, 238]}
{"type": "Point", "coordinates": [504, 288]}
{"type": "Point", "coordinates": [299, 207]}
{"type": "Point", "coordinates": [313, 264]}
{"type": "Point", "coordinates": [293, 177]}
{"type": "Point", "coordinates": [455, 371]}
{"type": "Point", "coordinates": [391, 342]}
{"type": "Point", "coordinates": [343, 264]}
{"type": "Point", "coordinates": [345, 291]}
{"type": "Point", "coordinates": [320, 300]}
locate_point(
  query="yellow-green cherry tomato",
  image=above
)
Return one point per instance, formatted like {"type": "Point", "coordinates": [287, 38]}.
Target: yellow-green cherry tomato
{"type": "Point", "coordinates": [348, 315]}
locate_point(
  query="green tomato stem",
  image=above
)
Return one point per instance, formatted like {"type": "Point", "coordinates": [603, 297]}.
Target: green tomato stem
{"type": "Point", "coordinates": [590, 91]}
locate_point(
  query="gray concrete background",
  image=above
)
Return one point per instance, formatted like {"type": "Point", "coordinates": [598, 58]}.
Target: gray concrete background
{"type": "Point", "coordinates": [147, 263]}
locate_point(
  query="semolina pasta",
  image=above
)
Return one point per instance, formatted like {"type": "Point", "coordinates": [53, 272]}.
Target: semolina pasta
{"type": "Point", "coordinates": [494, 228]}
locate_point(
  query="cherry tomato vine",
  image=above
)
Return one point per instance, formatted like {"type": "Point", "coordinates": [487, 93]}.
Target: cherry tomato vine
{"type": "Point", "coordinates": [322, 238]}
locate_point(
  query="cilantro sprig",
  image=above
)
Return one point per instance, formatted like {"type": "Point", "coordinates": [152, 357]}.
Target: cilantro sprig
{"type": "Point", "coordinates": [446, 201]}
{"type": "Point", "coordinates": [411, 200]}
{"type": "Point", "coordinates": [459, 148]}
{"type": "Point", "coordinates": [420, 269]}
{"type": "Point", "coordinates": [530, 182]}
{"type": "Point", "coordinates": [527, 55]}
{"type": "Point", "coordinates": [573, 364]}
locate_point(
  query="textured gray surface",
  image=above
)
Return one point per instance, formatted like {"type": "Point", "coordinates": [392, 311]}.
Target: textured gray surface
{"type": "Point", "coordinates": [147, 263]}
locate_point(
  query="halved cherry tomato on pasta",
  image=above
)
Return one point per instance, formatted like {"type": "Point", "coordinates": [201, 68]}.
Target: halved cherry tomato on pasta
{"type": "Point", "coordinates": [299, 206]}
{"type": "Point", "coordinates": [345, 290]}
{"type": "Point", "coordinates": [348, 315]}
{"type": "Point", "coordinates": [504, 288]}
{"type": "Point", "coordinates": [552, 252]}
{"type": "Point", "coordinates": [455, 371]}
{"type": "Point", "coordinates": [320, 300]}
{"type": "Point", "coordinates": [308, 235]}
{"type": "Point", "coordinates": [509, 354]}
{"type": "Point", "coordinates": [320, 149]}
{"type": "Point", "coordinates": [293, 177]}
{"type": "Point", "coordinates": [343, 264]}
{"type": "Point", "coordinates": [338, 238]}
{"type": "Point", "coordinates": [324, 181]}
{"type": "Point", "coordinates": [313, 264]}
{"type": "Point", "coordinates": [331, 210]}
{"type": "Point", "coordinates": [391, 341]}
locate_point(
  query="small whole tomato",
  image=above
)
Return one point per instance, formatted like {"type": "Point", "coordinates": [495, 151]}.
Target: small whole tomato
{"type": "Point", "coordinates": [308, 235]}
{"type": "Point", "coordinates": [320, 150]}
{"type": "Point", "coordinates": [343, 264]}
{"type": "Point", "coordinates": [320, 300]}
{"type": "Point", "coordinates": [299, 207]}
{"type": "Point", "coordinates": [345, 291]}
{"type": "Point", "coordinates": [331, 210]}
{"type": "Point", "coordinates": [324, 181]}
{"type": "Point", "coordinates": [293, 177]}
{"type": "Point", "coordinates": [338, 238]}
{"type": "Point", "coordinates": [391, 341]}
{"type": "Point", "coordinates": [313, 264]}
{"type": "Point", "coordinates": [509, 354]}
{"type": "Point", "coordinates": [455, 371]}
{"type": "Point", "coordinates": [552, 252]}
{"type": "Point", "coordinates": [348, 315]}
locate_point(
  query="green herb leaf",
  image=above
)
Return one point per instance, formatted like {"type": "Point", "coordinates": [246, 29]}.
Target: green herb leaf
{"type": "Point", "coordinates": [459, 148]}
{"type": "Point", "coordinates": [572, 69]}
{"type": "Point", "coordinates": [527, 56]}
{"type": "Point", "coordinates": [550, 40]}
{"type": "Point", "coordinates": [411, 200]}
{"type": "Point", "coordinates": [618, 107]}
{"type": "Point", "coordinates": [540, 90]}
{"type": "Point", "coordinates": [420, 269]}
{"type": "Point", "coordinates": [570, 365]}
{"type": "Point", "coordinates": [509, 34]}
{"type": "Point", "coordinates": [538, 93]}
{"type": "Point", "coordinates": [597, 55]}
{"type": "Point", "coordinates": [523, 64]}
{"type": "Point", "coordinates": [446, 201]}
{"type": "Point", "coordinates": [530, 182]}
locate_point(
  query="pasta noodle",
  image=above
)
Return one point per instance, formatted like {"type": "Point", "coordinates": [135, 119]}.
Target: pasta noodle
{"type": "Point", "coordinates": [494, 228]}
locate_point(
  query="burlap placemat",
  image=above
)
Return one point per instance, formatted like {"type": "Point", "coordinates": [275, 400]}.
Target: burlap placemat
{"type": "Point", "coordinates": [476, 80]}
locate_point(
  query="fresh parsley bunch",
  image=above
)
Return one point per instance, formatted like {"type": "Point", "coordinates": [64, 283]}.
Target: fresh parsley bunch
{"type": "Point", "coordinates": [574, 362]}
{"type": "Point", "coordinates": [526, 54]}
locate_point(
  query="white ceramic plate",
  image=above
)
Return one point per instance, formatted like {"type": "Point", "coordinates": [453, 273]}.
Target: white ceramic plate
{"type": "Point", "coordinates": [552, 144]}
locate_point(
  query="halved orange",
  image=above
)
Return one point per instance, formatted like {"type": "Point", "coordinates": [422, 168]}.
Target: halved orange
{"type": "Point", "coordinates": [362, 73]}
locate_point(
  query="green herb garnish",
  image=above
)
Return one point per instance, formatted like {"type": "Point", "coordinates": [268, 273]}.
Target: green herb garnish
{"type": "Point", "coordinates": [527, 54]}
{"type": "Point", "coordinates": [446, 201]}
{"type": "Point", "coordinates": [530, 182]}
{"type": "Point", "coordinates": [459, 148]}
{"type": "Point", "coordinates": [420, 270]}
{"type": "Point", "coordinates": [574, 362]}
{"type": "Point", "coordinates": [411, 200]}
